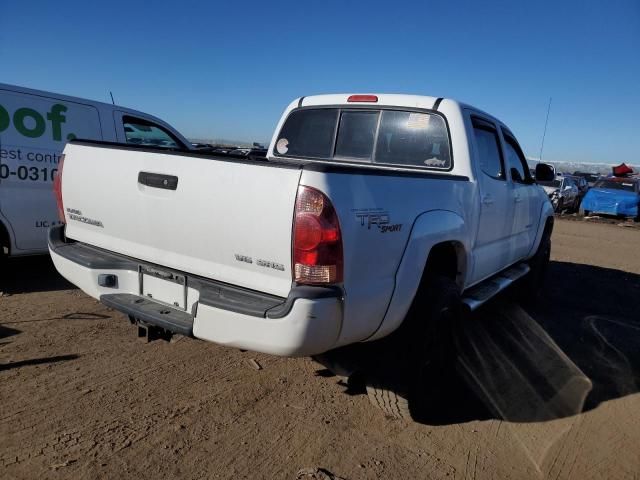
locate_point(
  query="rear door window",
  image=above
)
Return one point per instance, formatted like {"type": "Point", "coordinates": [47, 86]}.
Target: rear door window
{"type": "Point", "coordinates": [390, 137]}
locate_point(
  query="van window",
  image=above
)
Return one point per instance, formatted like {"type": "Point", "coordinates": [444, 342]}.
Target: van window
{"type": "Point", "coordinates": [392, 137]}
{"type": "Point", "coordinates": [142, 132]}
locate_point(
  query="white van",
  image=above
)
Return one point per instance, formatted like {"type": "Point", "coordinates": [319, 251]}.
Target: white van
{"type": "Point", "coordinates": [34, 127]}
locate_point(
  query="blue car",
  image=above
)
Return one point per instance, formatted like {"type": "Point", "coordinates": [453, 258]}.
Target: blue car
{"type": "Point", "coordinates": [613, 196]}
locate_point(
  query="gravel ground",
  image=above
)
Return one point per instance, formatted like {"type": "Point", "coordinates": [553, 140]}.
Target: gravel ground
{"type": "Point", "coordinates": [547, 392]}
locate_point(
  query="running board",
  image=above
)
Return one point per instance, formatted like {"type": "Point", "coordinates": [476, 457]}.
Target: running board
{"type": "Point", "coordinates": [487, 289]}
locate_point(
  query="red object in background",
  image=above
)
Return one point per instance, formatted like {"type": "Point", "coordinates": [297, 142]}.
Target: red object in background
{"type": "Point", "coordinates": [622, 170]}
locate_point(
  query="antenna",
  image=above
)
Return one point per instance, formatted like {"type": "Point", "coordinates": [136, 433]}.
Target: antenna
{"type": "Point", "coordinates": [545, 130]}
{"type": "Point", "coordinates": [115, 102]}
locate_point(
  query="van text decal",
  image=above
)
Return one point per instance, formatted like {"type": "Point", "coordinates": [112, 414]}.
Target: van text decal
{"type": "Point", "coordinates": [31, 124]}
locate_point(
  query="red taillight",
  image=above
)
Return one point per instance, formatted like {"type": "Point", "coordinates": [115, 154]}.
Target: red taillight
{"type": "Point", "coordinates": [363, 98]}
{"type": "Point", "coordinates": [57, 189]}
{"type": "Point", "coordinates": [317, 242]}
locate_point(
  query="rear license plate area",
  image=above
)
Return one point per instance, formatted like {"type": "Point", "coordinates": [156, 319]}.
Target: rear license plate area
{"type": "Point", "coordinates": [164, 286]}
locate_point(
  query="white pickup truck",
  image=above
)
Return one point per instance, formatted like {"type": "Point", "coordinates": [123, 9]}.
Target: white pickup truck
{"type": "Point", "coordinates": [365, 206]}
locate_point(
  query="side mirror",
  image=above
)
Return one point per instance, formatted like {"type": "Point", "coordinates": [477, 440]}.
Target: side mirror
{"type": "Point", "coordinates": [545, 172]}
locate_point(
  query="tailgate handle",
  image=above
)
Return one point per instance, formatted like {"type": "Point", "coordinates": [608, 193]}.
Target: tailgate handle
{"type": "Point", "coordinates": [158, 180]}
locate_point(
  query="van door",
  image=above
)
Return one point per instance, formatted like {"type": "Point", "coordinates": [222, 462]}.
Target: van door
{"type": "Point", "coordinates": [33, 132]}
{"type": "Point", "coordinates": [491, 250]}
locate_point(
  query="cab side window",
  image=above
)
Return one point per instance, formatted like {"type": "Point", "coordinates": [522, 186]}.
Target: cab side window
{"type": "Point", "coordinates": [489, 154]}
{"type": "Point", "coordinates": [516, 162]}
{"type": "Point", "coordinates": [142, 132]}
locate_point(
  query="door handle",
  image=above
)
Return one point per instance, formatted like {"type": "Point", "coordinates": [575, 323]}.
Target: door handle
{"type": "Point", "coordinates": [518, 198]}
{"type": "Point", "coordinates": [158, 180]}
{"type": "Point", "coordinates": [487, 199]}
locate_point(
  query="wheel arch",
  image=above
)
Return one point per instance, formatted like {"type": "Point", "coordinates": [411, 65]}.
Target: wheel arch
{"type": "Point", "coordinates": [438, 245]}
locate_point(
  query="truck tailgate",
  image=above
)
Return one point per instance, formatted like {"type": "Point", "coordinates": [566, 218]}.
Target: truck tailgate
{"type": "Point", "coordinates": [223, 219]}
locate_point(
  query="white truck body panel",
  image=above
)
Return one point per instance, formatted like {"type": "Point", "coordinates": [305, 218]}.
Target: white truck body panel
{"type": "Point", "coordinates": [34, 128]}
{"type": "Point", "coordinates": [219, 210]}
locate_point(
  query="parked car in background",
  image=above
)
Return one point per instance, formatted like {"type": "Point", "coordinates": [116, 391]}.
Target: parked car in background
{"type": "Point", "coordinates": [613, 196]}
{"type": "Point", "coordinates": [34, 127]}
{"type": "Point", "coordinates": [582, 184]}
{"type": "Point", "coordinates": [563, 193]}
{"type": "Point", "coordinates": [591, 178]}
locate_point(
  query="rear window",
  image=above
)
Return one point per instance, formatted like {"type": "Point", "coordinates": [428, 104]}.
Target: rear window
{"type": "Point", "coordinates": [615, 185]}
{"type": "Point", "coordinates": [308, 133]}
{"type": "Point", "coordinates": [388, 137]}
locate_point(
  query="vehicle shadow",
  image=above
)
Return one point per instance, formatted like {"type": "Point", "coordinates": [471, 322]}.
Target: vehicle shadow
{"type": "Point", "coordinates": [7, 332]}
{"type": "Point", "coordinates": [577, 347]}
{"type": "Point", "coordinates": [68, 316]}
{"type": "Point", "coordinates": [31, 274]}
{"type": "Point", "coordinates": [592, 315]}
{"type": "Point", "coordinates": [37, 361]}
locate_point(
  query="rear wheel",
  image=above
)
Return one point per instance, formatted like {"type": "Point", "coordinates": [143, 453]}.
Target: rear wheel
{"type": "Point", "coordinates": [423, 354]}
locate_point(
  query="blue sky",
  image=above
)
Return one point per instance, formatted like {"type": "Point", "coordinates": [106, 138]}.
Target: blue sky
{"type": "Point", "coordinates": [228, 69]}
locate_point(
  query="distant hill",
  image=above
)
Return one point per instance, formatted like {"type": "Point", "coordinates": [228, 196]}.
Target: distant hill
{"type": "Point", "coordinates": [570, 167]}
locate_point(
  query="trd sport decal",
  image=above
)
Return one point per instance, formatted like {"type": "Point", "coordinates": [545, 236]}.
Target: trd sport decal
{"type": "Point", "coordinates": [376, 218]}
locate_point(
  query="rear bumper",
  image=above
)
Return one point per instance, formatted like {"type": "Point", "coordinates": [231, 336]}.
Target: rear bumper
{"type": "Point", "coordinates": [307, 322]}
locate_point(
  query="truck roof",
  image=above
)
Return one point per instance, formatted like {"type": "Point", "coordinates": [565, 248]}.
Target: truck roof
{"type": "Point", "coordinates": [386, 100]}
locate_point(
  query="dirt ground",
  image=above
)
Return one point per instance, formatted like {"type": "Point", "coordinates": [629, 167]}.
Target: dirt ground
{"type": "Point", "coordinates": [550, 392]}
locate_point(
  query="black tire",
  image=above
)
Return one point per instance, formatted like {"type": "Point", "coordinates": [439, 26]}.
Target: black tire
{"type": "Point", "coordinates": [424, 354]}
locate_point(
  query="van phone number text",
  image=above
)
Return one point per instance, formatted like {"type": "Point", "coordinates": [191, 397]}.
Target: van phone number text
{"type": "Point", "coordinates": [33, 174]}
